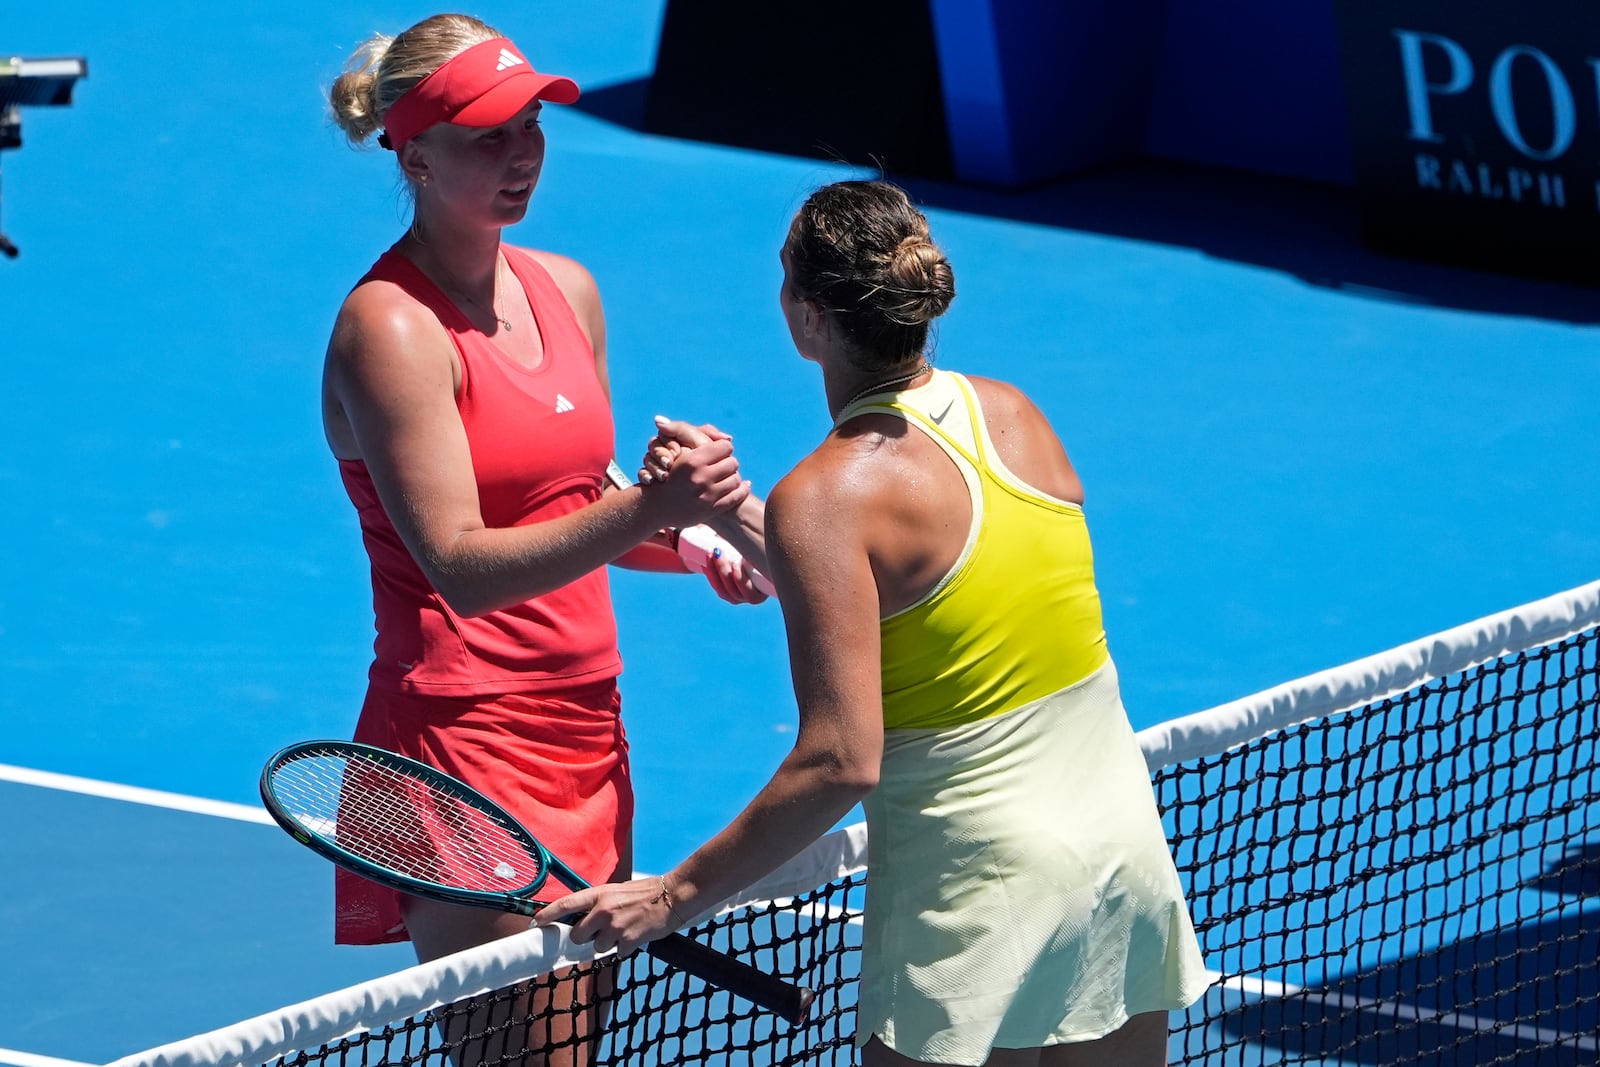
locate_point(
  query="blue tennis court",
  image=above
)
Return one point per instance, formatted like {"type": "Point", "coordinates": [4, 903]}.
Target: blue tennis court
{"type": "Point", "coordinates": [1296, 453]}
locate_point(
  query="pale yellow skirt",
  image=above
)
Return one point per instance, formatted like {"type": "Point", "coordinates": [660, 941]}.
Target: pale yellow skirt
{"type": "Point", "coordinates": [1021, 892]}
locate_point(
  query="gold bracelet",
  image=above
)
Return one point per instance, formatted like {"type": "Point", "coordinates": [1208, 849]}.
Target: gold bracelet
{"type": "Point", "coordinates": [665, 897]}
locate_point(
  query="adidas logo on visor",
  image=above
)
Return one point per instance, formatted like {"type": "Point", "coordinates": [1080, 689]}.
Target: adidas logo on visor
{"type": "Point", "coordinates": [508, 59]}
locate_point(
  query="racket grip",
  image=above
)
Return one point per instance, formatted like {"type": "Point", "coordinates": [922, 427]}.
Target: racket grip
{"type": "Point", "coordinates": [616, 475]}
{"type": "Point", "coordinates": [789, 1002]}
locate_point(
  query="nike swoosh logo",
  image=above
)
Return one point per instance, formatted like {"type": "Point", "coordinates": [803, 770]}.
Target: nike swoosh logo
{"type": "Point", "coordinates": [938, 420]}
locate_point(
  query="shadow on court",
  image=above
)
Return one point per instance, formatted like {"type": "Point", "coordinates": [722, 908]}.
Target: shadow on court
{"type": "Point", "coordinates": [1517, 996]}
{"type": "Point", "coordinates": [1308, 230]}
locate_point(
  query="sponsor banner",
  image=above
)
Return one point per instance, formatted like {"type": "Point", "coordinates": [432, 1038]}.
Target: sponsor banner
{"type": "Point", "coordinates": [1475, 129]}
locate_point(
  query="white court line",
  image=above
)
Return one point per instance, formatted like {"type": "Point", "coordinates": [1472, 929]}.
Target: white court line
{"type": "Point", "coordinates": [134, 795]}
{"type": "Point", "coordinates": [13, 1058]}
{"type": "Point", "coordinates": [1456, 1020]}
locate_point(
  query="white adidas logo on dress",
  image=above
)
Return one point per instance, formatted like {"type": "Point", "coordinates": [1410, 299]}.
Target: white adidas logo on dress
{"type": "Point", "coordinates": [563, 404]}
{"type": "Point", "coordinates": [508, 58]}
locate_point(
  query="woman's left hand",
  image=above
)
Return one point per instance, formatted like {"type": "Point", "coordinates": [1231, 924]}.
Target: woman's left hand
{"type": "Point", "coordinates": [732, 581]}
{"type": "Point", "coordinates": [620, 915]}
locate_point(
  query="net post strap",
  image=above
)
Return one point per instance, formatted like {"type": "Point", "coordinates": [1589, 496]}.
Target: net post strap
{"type": "Point", "coordinates": [1374, 678]}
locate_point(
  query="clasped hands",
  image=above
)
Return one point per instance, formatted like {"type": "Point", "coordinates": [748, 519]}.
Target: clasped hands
{"type": "Point", "coordinates": [698, 461]}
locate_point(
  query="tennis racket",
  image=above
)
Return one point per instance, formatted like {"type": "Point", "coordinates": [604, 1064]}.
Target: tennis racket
{"type": "Point", "coordinates": [416, 829]}
{"type": "Point", "coordinates": [698, 545]}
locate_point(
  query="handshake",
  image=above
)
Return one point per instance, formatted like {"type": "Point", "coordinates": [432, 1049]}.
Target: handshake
{"type": "Point", "coordinates": [700, 547]}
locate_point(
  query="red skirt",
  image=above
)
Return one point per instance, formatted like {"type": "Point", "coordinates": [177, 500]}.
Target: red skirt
{"type": "Point", "coordinates": [557, 763]}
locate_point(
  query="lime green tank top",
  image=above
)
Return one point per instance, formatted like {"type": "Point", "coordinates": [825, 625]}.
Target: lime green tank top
{"type": "Point", "coordinates": [1018, 616]}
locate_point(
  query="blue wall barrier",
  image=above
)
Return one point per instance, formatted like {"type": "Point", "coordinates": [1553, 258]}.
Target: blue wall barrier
{"type": "Point", "coordinates": [1468, 131]}
{"type": "Point", "coordinates": [1251, 84]}
{"type": "Point", "coordinates": [1009, 93]}
{"type": "Point", "coordinates": [1035, 90]}
{"type": "Point", "coordinates": [1038, 89]}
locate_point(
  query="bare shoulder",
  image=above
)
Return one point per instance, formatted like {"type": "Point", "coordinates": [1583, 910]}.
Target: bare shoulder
{"type": "Point", "coordinates": [1025, 439]}
{"type": "Point", "coordinates": [812, 490]}
{"type": "Point", "coordinates": [380, 328]}
{"type": "Point", "coordinates": [1000, 397]}
{"type": "Point", "coordinates": [828, 491]}
{"type": "Point", "coordinates": [389, 360]}
{"type": "Point", "coordinates": [1006, 408]}
{"type": "Point", "coordinates": [816, 538]}
{"type": "Point", "coordinates": [382, 313]}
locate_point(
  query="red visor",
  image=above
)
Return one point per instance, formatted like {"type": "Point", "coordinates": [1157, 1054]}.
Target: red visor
{"type": "Point", "coordinates": [483, 86]}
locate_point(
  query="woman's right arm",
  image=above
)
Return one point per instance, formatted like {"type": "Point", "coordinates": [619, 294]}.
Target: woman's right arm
{"type": "Point", "coordinates": [390, 379]}
{"type": "Point", "coordinates": [818, 523]}
{"type": "Point", "coordinates": [743, 527]}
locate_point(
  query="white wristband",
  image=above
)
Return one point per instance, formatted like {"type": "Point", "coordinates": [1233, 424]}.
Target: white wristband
{"type": "Point", "coordinates": [699, 545]}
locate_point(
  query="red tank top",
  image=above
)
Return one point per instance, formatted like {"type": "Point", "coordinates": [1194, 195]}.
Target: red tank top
{"type": "Point", "coordinates": [540, 441]}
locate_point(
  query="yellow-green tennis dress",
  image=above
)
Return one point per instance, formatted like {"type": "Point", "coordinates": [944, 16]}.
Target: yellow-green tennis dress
{"type": "Point", "coordinates": [1022, 893]}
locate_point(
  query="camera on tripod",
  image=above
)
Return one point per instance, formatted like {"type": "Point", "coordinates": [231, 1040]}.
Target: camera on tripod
{"type": "Point", "coordinates": [32, 83]}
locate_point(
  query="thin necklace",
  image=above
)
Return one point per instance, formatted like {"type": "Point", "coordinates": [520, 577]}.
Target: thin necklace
{"type": "Point", "coordinates": [491, 309]}
{"type": "Point", "coordinates": [885, 386]}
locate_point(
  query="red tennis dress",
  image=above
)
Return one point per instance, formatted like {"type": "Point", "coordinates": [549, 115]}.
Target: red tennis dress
{"type": "Point", "coordinates": [520, 703]}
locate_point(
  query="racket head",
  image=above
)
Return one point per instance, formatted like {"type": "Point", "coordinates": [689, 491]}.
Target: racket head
{"type": "Point", "coordinates": [404, 824]}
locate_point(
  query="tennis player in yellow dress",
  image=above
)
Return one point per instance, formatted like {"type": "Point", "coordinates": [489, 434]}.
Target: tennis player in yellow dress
{"type": "Point", "coordinates": [952, 675]}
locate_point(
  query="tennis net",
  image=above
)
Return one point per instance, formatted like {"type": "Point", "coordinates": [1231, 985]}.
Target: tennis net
{"type": "Point", "coordinates": [1390, 862]}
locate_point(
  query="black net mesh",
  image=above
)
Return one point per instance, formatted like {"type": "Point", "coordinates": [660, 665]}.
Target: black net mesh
{"type": "Point", "coordinates": [1412, 882]}
{"type": "Point", "coordinates": [1416, 881]}
{"type": "Point", "coordinates": [642, 1012]}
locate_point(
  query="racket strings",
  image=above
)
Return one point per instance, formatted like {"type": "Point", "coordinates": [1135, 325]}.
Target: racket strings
{"type": "Point", "coordinates": [405, 824]}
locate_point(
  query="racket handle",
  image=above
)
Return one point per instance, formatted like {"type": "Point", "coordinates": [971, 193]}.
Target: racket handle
{"type": "Point", "coordinates": [616, 475]}
{"type": "Point", "coordinates": [789, 1002]}
{"type": "Point", "coordinates": [699, 545]}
